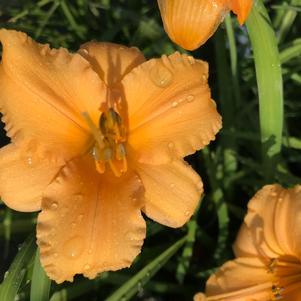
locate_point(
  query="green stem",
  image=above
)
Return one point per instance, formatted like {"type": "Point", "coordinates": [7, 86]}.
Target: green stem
{"type": "Point", "coordinates": [270, 87]}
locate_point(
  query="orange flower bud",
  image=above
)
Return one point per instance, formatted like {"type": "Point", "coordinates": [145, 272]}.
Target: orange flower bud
{"type": "Point", "coordinates": [191, 23]}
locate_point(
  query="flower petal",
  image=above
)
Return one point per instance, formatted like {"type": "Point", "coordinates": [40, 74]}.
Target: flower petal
{"type": "Point", "coordinates": [241, 279]}
{"type": "Point", "coordinates": [191, 23]}
{"type": "Point", "coordinates": [90, 223]}
{"type": "Point", "coordinates": [170, 110]}
{"type": "Point", "coordinates": [111, 61]}
{"type": "Point", "coordinates": [23, 177]}
{"type": "Point", "coordinates": [43, 92]}
{"type": "Point", "coordinates": [172, 192]}
{"type": "Point", "coordinates": [274, 215]}
{"type": "Point", "coordinates": [242, 9]}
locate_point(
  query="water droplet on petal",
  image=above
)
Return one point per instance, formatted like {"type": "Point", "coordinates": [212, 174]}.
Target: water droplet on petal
{"type": "Point", "coordinates": [29, 160]}
{"type": "Point", "coordinates": [190, 98]}
{"type": "Point", "coordinates": [54, 205]}
{"type": "Point", "coordinates": [80, 218]}
{"type": "Point", "coordinates": [187, 213]}
{"type": "Point", "coordinates": [73, 247]}
{"type": "Point", "coordinates": [87, 267]}
{"type": "Point", "coordinates": [171, 145]}
{"type": "Point", "coordinates": [172, 185]}
{"type": "Point", "coordinates": [130, 236]}
{"type": "Point", "coordinates": [160, 75]}
{"type": "Point", "coordinates": [190, 59]}
{"type": "Point", "coordinates": [174, 104]}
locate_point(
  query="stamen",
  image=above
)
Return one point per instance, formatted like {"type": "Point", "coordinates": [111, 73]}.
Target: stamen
{"type": "Point", "coordinates": [277, 292]}
{"type": "Point", "coordinates": [109, 137]}
{"type": "Point", "coordinates": [95, 131]}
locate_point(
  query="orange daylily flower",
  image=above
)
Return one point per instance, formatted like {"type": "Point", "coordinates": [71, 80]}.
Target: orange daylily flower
{"type": "Point", "coordinates": [268, 251]}
{"type": "Point", "coordinates": [97, 137]}
{"type": "Point", "coordinates": [191, 23]}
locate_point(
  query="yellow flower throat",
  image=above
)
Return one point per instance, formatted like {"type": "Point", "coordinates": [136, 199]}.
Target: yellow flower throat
{"type": "Point", "coordinates": [110, 137]}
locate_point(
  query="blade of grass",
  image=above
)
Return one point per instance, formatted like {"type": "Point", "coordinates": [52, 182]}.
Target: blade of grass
{"type": "Point", "coordinates": [40, 283]}
{"type": "Point", "coordinates": [287, 21]}
{"type": "Point", "coordinates": [51, 11]}
{"type": "Point", "coordinates": [226, 102]}
{"type": "Point", "coordinates": [68, 14]}
{"type": "Point", "coordinates": [292, 50]}
{"type": "Point", "coordinates": [233, 57]}
{"type": "Point", "coordinates": [220, 205]}
{"type": "Point", "coordinates": [270, 89]}
{"type": "Point", "coordinates": [16, 272]}
{"type": "Point", "coordinates": [184, 260]}
{"type": "Point", "coordinates": [134, 284]}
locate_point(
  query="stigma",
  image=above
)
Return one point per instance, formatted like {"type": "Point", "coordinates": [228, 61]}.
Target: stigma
{"type": "Point", "coordinates": [109, 148]}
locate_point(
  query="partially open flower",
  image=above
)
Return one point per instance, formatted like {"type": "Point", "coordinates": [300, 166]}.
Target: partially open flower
{"type": "Point", "coordinates": [96, 137]}
{"type": "Point", "coordinates": [268, 251]}
{"type": "Point", "coordinates": [190, 23]}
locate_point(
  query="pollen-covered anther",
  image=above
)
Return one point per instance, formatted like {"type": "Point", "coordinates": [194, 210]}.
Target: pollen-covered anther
{"type": "Point", "coordinates": [277, 292]}
{"type": "Point", "coordinates": [110, 137]}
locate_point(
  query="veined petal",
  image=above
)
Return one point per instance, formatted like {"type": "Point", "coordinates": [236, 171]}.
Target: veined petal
{"type": "Point", "coordinates": [272, 225]}
{"type": "Point", "coordinates": [24, 176]}
{"type": "Point", "coordinates": [241, 279]}
{"type": "Point", "coordinates": [191, 23]}
{"type": "Point", "coordinates": [171, 113]}
{"type": "Point", "coordinates": [90, 223]}
{"type": "Point", "coordinates": [172, 192]}
{"type": "Point", "coordinates": [242, 9]}
{"type": "Point", "coordinates": [111, 61]}
{"type": "Point", "coordinates": [43, 92]}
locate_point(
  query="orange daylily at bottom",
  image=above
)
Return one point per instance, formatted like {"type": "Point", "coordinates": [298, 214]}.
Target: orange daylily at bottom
{"type": "Point", "coordinates": [191, 23]}
{"type": "Point", "coordinates": [268, 251]}
{"type": "Point", "coordinates": [97, 137]}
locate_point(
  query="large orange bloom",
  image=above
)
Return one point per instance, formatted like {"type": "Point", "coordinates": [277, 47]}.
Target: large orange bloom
{"type": "Point", "coordinates": [190, 23]}
{"type": "Point", "coordinates": [97, 136]}
{"type": "Point", "coordinates": [268, 251]}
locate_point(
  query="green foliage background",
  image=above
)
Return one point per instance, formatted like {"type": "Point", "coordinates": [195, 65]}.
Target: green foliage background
{"type": "Point", "coordinates": [232, 168]}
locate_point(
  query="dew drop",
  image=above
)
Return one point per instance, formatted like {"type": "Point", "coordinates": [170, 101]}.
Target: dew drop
{"type": "Point", "coordinates": [174, 104]}
{"type": "Point", "coordinates": [190, 98]}
{"type": "Point", "coordinates": [78, 197]}
{"type": "Point", "coordinates": [130, 236]}
{"type": "Point", "coordinates": [160, 75]}
{"type": "Point", "coordinates": [187, 213]}
{"type": "Point", "coordinates": [190, 60]}
{"type": "Point", "coordinates": [171, 145]}
{"type": "Point", "coordinates": [54, 205]}
{"type": "Point", "coordinates": [80, 218]}
{"type": "Point", "coordinates": [87, 267]}
{"type": "Point", "coordinates": [172, 185]}
{"type": "Point", "coordinates": [29, 160]}
{"type": "Point", "coordinates": [73, 247]}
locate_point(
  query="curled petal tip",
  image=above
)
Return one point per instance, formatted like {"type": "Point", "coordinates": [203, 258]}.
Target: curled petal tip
{"type": "Point", "coordinates": [242, 9]}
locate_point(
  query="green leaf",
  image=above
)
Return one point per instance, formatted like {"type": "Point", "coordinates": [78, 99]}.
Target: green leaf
{"type": "Point", "coordinates": [132, 286]}
{"type": "Point", "coordinates": [40, 283]}
{"type": "Point", "coordinates": [14, 276]}
{"type": "Point", "coordinates": [270, 87]}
